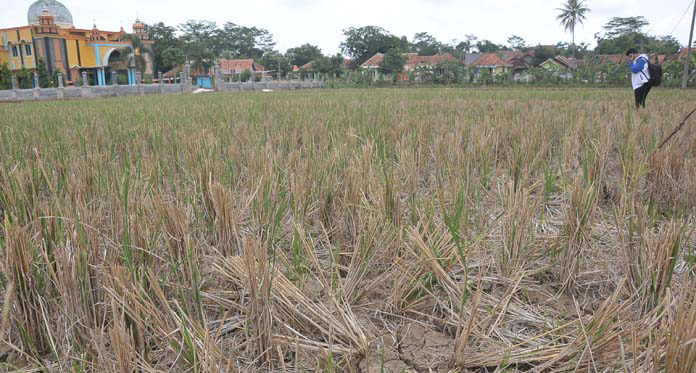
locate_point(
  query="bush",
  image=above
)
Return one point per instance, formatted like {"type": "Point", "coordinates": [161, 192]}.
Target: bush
{"type": "Point", "coordinates": [122, 79]}
{"type": "Point", "coordinates": [5, 77]}
{"type": "Point", "coordinates": [24, 79]}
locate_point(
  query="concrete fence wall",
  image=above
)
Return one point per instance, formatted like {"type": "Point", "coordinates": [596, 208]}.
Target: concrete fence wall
{"type": "Point", "coordinates": [144, 89]}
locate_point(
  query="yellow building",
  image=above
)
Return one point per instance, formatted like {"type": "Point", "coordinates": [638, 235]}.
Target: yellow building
{"type": "Point", "coordinates": [51, 35]}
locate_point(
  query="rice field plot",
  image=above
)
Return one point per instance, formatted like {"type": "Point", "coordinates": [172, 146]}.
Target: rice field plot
{"type": "Point", "coordinates": [349, 230]}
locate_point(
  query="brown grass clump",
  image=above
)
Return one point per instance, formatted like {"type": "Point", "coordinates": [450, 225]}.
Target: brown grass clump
{"type": "Point", "coordinates": [348, 230]}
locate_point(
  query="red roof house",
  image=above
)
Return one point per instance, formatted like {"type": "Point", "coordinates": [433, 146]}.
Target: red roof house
{"type": "Point", "coordinates": [413, 60]}
{"type": "Point", "coordinates": [231, 67]}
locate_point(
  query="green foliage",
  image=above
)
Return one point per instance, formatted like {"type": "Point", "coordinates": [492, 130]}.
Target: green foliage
{"type": "Point", "coordinates": [136, 52]}
{"type": "Point", "coordinates": [5, 77]}
{"type": "Point", "coordinates": [426, 45]}
{"type": "Point", "coordinates": [620, 44]}
{"type": "Point", "coordinates": [572, 13]}
{"type": "Point", "coordinates": [618, 26]}
{"type": "Point", "coordinates": [332, 66]}
{"type": "Point", "coordinates": [485, 76]}
{"type": "Point", "coordinates": [273, 61]}
{"type": "Point", "coordinates": [236, 41]}
{"type": "Point", "coordinates": [122, 79]}
{"type": "Point", "coordinates": [516, 43]}
{"type": "Point", "coordinates": [199, 43]}
{"type": "Point", "coordinates": [623, 33]}
{"type": "Point", "coordinates": [24, 79]}
{"type": "Point", "coordinates": [645, 43]}
{"type": "Point", "coordinates": [303, 54]}
{"type": "Point", "coordinates": [364, 42]}
{"type": "Point", "coordinates": [664, 45]}
{"type": "Point", "coordinates": [393, 62]}
{"type": "Point", "coordinates": [167, 51]}
{"type": "Point", "coordinates": [170, 58]}
{"type": "Point", "coordinates": [487, 46]}
{"type": "Point", "coordinates": [448, 72]}
{"type": "Point", "coordinates": [542, 54]}
{"type": "Point", "coordinates": [566, 49]}
{"type": "Point", "coordinates": [245, 75]}
{"type": "Point", "coordinates": [467, 45]}
{"type": "Point", "coordinates": [54, 78]}
{"type": "Point", "coordinates": [44, 77]}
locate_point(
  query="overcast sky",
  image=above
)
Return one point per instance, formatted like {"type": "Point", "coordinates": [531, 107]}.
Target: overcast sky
{"type": "Point", "coordinates": [320, 22]}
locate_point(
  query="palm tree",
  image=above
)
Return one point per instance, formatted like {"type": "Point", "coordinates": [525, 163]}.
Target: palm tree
{"type": "Point", "coordinates": [572, 13]}
{"type": "Point", "coordinates": [136, 52]}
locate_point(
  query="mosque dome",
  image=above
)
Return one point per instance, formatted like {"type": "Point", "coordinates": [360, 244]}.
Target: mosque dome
{"type": "Point", "coordinates": [61, 14]}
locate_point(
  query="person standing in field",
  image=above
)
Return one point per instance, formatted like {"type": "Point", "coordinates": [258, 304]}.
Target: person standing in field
{"type": "Point", "coordinates": [640, 75]}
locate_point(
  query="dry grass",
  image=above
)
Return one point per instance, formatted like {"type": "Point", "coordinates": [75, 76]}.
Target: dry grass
{"type": "Point", "coordinates": [355, 230]}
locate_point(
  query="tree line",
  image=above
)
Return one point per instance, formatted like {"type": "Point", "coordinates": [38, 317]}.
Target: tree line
{"type": "Point", "coordinates": [202, 42]}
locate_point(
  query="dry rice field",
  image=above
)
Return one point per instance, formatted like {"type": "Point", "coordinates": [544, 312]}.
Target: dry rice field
{"type": "Point", "coordinates": [383, 230]}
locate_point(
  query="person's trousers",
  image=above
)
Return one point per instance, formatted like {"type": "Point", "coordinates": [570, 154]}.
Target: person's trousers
{"type": "Point", "coordinates": [641, 93]}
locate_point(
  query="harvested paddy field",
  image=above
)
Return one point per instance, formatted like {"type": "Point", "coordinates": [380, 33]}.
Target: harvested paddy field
{"type": "Point", "coordinates": [464, 230]}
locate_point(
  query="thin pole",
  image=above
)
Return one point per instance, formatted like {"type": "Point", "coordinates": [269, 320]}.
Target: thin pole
{"type": "Point", "coordinates": [688, 51]}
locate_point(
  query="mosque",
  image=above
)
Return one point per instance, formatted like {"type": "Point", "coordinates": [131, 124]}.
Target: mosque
{"type": "Point", "coordinates": [51, 35]}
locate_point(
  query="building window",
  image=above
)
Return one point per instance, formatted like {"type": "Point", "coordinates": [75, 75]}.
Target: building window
{"type": "Point", "coordinates": [15, 52]}
{"type": "Point", "coordinates": [27, 49]}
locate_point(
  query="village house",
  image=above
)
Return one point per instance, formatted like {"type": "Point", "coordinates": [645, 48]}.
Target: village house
{"type": "Point", "coordinates": [563, 67]}
{"type": "Point", "coordinates": [309, 66]}
{"type": "Point", "coordinates": [229, 69]}
{"type": "Point", "coordinates": [200, 77]}
{"type": "Point", "coordinates": [232, 68]}
{"type": "Point", "coordinates": [492, 63]}
{"type": "Point", "coordinates": [412, 62]}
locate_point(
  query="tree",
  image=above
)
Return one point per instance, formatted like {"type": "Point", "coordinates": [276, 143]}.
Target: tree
{"type": "Point", "coordinates": [426, 45]}
{"type": "Point", "coordinates": [332, 66]}
{"type": "Point", "coordinates": [571, 13]}
{"type": "Point", "coordinates": [364, 42]}
{"type": "Point", "coordinates": [199, 43]}
{"type": "Point", "coordinates": [25, 81]}
{"type": "Point", "coordinates": [303, 54]}
{"type": "Point", "coordinates": [236, 41]}
{"type": "Point", "coordinates": [198, 32]}
{"type": "Point", "coordinates": [5, 77]}
{"type": "Point", "coordinates": [54, 78]}
{"type": "Point", "coordinates": [167, 50]}
{"type": "Point", "coordinates": [622, 33]}
{"type": "Point", "coordinates": [273, 61]}
{"type": "Point", "coordinates": [170, 58]}
{"type": "Point", "coordinates": [664, 45]}
{"type": "Point", "coordinates": [516, 43]}
{"type": "Point", "coordinates": [618, 26]}
{"type": "Point", "coordinates": [245, 75]}
{"type": "Point", "coordinates": [541, 54]}
{"type": "Point", "coordinates": [136, 52]}
{"type": "Point", "coordinates": [487, 46]}
{"type": "Point", "coordinates": [44, 77]}
{"type": "Point", "coordinates": [393, 62]}
{"type": "Point", "coordinates": [448, 72]}
{"type": "Point", "coordinates": [620, 44]}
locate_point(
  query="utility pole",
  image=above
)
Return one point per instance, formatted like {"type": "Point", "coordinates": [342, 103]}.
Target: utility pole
{"type": "Point", "coordinates": [688, 50]}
